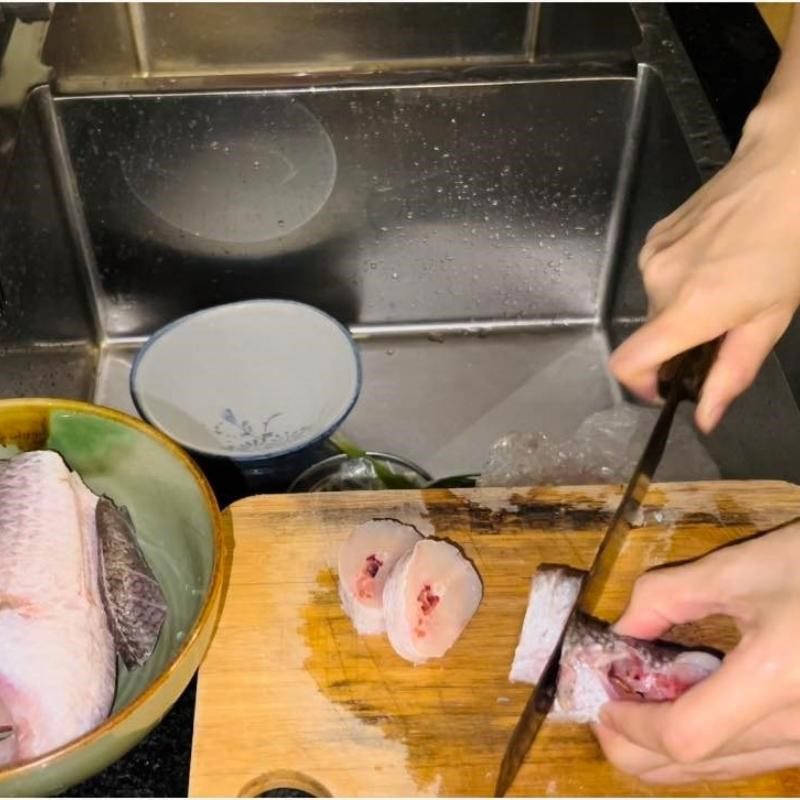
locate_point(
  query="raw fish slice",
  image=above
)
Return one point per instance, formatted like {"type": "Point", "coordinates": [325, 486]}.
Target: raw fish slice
{"type": "Point", "coordinates": [596, 664]}
{"type": "Point", "coordinates": [57, 664]}
{"type": "Point", "coordinates": [553, 591]}
{"type": "Point", "coordinates": [133, 598]}
{"type": "Point", "coordinates": [365, 561]}
{"type": "Point", "coordinates": [430, 596]}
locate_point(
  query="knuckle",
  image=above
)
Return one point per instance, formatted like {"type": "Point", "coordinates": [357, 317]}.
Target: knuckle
{"type": "Point", "coordinates": [656, 228]}
{"type": "Point", "coordinates": [659, 267]}
{"type": "Point", "coordinates": [694, 294]}
{"type": "Point", "coordinates": [665, 223]}
{"type": "Point", "coordinates": [645, 255]}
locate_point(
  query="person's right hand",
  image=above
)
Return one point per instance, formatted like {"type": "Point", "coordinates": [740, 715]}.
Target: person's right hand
{"type": "Point", "coordinates": [727, 262]}
{"type": "Point", "coordinates": [745, 718]}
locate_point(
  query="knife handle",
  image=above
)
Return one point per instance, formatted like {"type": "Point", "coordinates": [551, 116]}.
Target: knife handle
{"type": "Point", "coordinates": [686, 373]}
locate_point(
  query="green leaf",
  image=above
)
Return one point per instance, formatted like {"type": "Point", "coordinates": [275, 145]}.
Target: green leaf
{"type": "Point", "coordinates": [389, 479]}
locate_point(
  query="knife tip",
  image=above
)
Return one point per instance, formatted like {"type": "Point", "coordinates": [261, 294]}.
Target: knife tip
{"type": "Point", "coordinates": [503, 783]}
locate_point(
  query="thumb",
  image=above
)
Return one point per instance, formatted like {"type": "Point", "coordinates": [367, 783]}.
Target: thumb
{"type": "Point", "coordinates": [669, 596]}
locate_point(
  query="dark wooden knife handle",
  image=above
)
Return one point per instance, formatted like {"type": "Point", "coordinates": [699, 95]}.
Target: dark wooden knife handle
{"type": "Point", "coordinates": [686, 373]}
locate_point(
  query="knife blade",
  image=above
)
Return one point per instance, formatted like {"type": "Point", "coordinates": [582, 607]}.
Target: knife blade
{"type": "Point", "coordinates": [680, 379]}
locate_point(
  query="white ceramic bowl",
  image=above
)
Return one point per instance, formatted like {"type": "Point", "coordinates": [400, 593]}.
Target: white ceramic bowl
{"type": "Point", "coordinates": [248, 381]}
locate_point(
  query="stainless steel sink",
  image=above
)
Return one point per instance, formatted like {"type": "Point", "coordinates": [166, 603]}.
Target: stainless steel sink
{"type": "Point", "coordinates": [477, 230]}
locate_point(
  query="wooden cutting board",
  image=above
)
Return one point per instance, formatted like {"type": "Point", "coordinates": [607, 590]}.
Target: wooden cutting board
{"type": "Point", "coordinates": [291, 696]}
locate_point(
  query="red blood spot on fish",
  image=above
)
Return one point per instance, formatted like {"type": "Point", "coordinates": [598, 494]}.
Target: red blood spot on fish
{"type": "Point", "coordinates": [596, 664]}
{"type": "Point", "coordinates": [632, 679]}
{"type": "Point", "coordinates": [427, 600]}
{"type": "Point", "coordinates": [373, 565]}
{"type": "Point", "coordinates": [365, 583]}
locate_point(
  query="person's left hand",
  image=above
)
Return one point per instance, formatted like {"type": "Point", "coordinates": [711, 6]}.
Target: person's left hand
{"type": "Point", "coordinates": [766, 748]}
{"type": "Point", "coordinates": [745, 718]}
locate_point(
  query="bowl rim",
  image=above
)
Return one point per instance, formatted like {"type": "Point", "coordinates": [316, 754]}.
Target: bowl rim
{"type": "Point", "coordinates": [377, 455]}
{"type": "Point", "coordinates": [209, 604]}
{"type": "Point", "coordinates": [232, 454]}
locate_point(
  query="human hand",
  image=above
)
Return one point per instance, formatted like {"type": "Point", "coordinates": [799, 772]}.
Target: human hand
{"type": "Point", "coordinates": [726, 262]}
{"type": "Point", "coordinates": [745, 718]}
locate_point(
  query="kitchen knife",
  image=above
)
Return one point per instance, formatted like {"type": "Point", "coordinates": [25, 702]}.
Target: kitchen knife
{"type": "Point", "coordinates": [679, 379]}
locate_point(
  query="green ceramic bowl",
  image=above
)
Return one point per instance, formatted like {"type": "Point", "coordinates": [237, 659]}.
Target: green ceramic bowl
{"type": "Point", "coordinates": [180, 530]}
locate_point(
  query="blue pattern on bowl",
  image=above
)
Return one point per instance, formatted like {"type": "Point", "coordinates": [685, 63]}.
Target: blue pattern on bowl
{"type": "Point", "coordinates": [240, 435]}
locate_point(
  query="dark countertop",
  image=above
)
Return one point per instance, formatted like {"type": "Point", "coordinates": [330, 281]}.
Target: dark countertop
{"type": "Point", "coordinates": [734, 55]}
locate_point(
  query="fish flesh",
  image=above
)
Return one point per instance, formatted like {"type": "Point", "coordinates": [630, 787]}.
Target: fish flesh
{"type": "Point", "coordinates": [131, 594]}
{"type": "Point", "coordinates": [365, 560]}
{"type": "Point", "coordinates": [432, 593]}
{"type": "Point", "coordinates": [553, 591]}
{"type": "Point", "coordinates": [420, 591]}
{"type": "Point", "coordinates": [67, 605]}
{"type": "Point", "coordinates": [598, 665]}
{"type": "Point", "coordinates": [57, 663]}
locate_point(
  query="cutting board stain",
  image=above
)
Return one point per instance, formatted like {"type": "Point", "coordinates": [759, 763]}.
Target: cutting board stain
{"type": "Point", "coordinates": [290, 695]}
{"type": "Point", "coordinates": [373, 683]}
{"type": "Point", "coordinates": [462, 509]}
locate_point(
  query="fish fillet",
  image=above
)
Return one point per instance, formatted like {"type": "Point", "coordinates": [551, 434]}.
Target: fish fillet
{"type": "Point", "coordinates": [596, 664]}
{"type": "Point", "coordinates": [365, 560]}
{"type": "Point", "coordinates": [431, 595]}
{"type": "Point", "coordinates": [57, 662]}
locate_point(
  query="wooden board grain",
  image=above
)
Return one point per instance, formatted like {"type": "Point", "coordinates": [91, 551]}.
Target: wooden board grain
{"type": "Point", "coordinates": [289, 695]}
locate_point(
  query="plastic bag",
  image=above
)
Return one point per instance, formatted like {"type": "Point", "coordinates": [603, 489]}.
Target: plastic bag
{"type": "Point", "coordinates": [603, 449]}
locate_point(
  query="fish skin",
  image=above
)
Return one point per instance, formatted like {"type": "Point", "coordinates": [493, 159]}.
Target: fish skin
{"type": "Point", "coordinates": [132, 596]}
{"type": "Point", "coordinates": [598, 665]}
{"type": "Point", "coordinates": [57, 661]}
